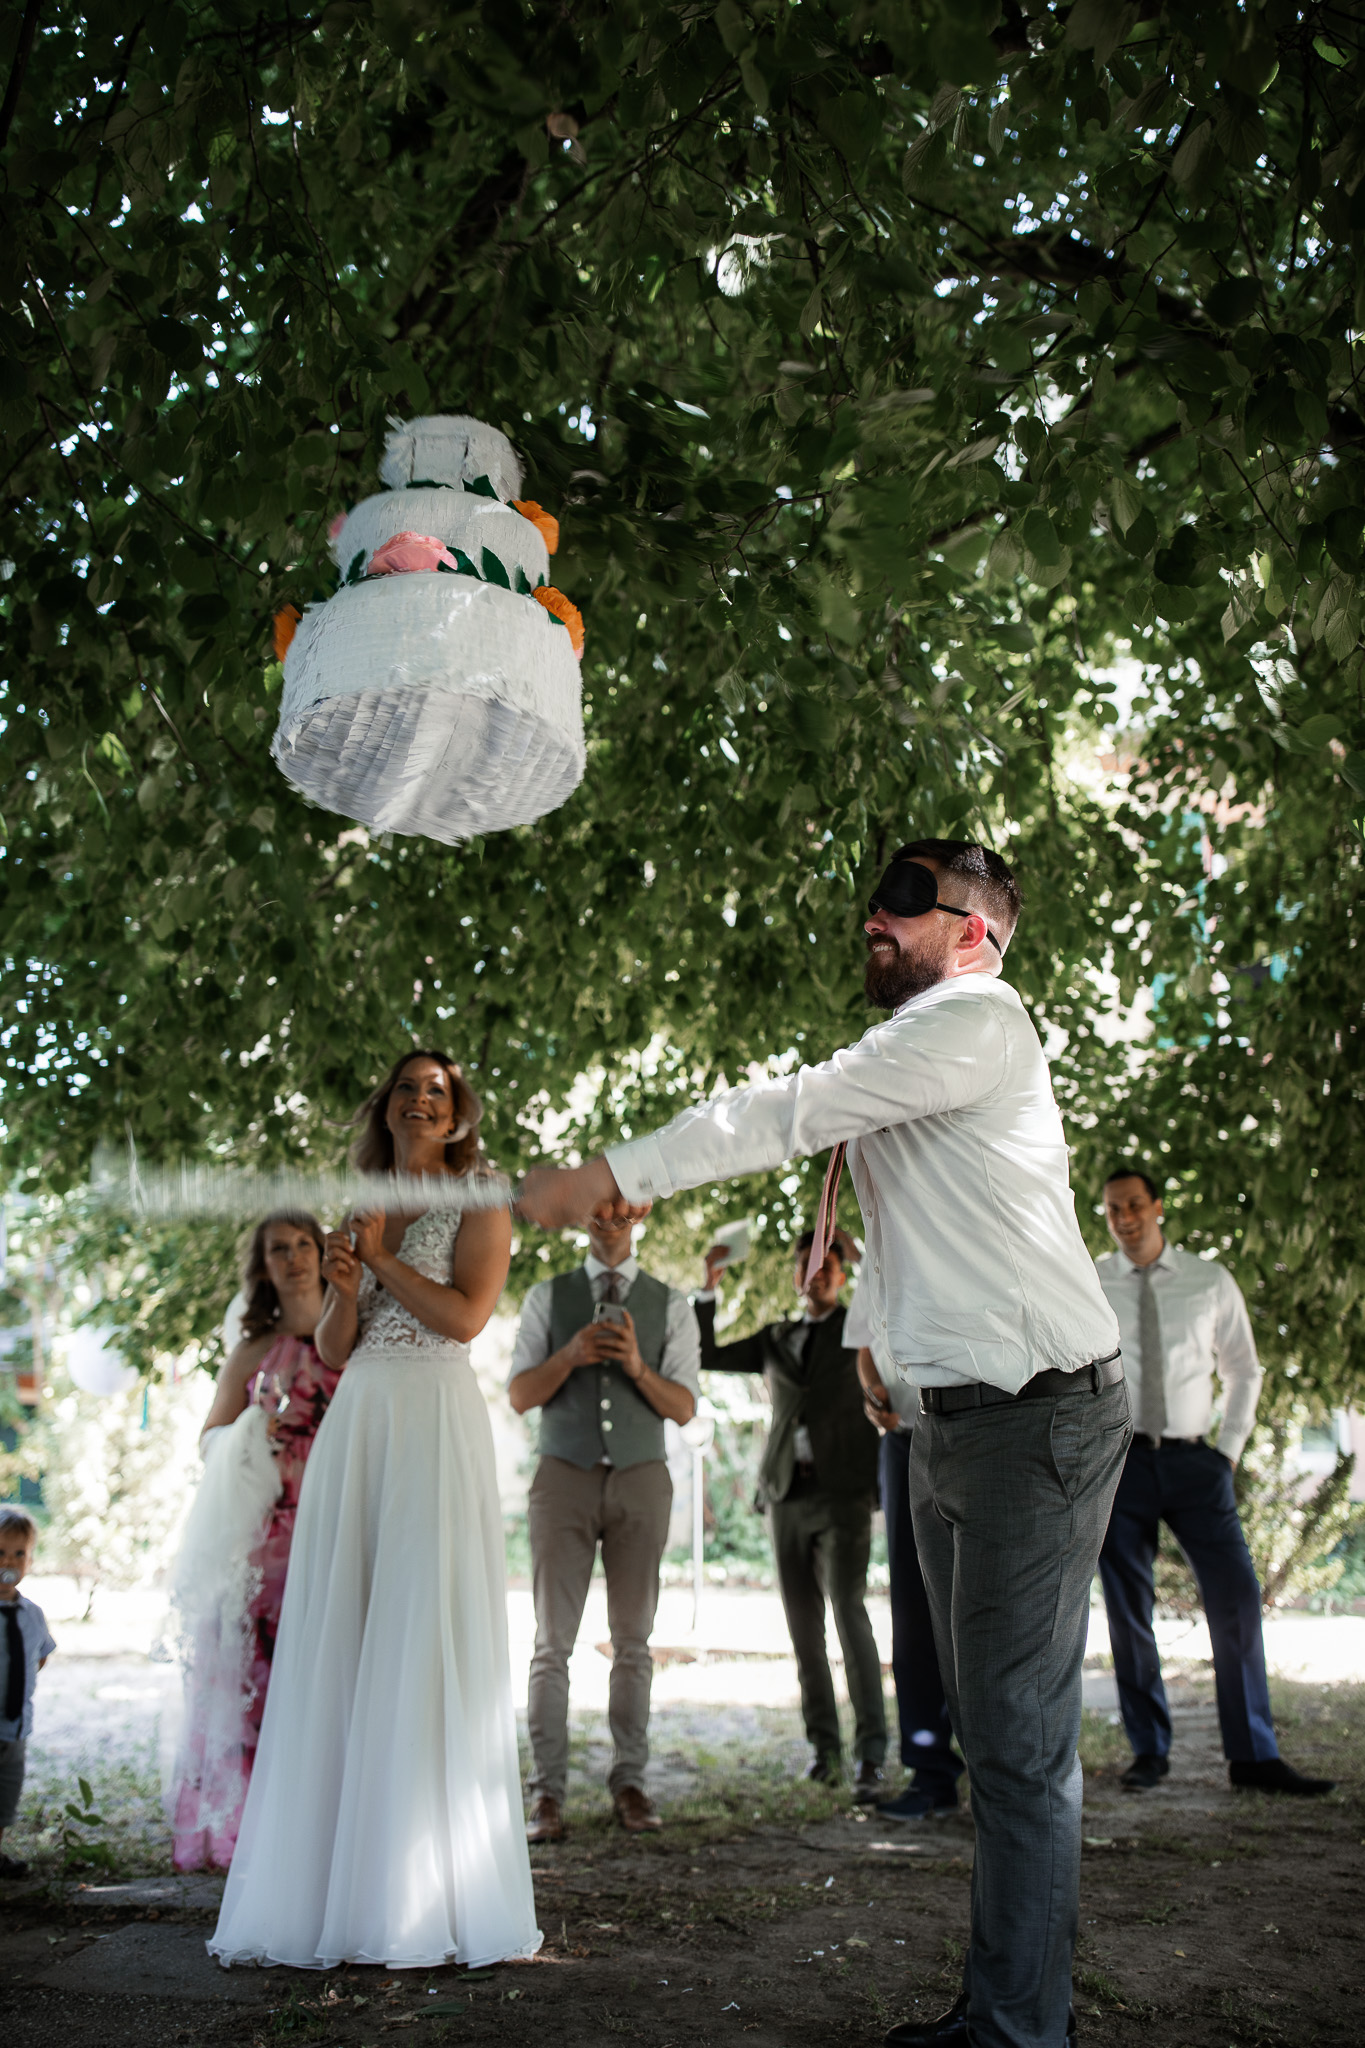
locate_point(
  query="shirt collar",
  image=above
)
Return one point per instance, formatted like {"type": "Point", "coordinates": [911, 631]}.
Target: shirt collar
{"type": "Point", "coordinates": [1162, 1263]}
{"type": "Point", "coordinates": [628, 1268]}
{"type": "Point", "coordinates": [953, 984]}
{"type": "Point", "coordinates": [824, 1318]}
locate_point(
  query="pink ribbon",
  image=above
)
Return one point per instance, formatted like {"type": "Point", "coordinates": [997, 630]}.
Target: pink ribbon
{"type": "Point", "coordinates": [824, 1215]}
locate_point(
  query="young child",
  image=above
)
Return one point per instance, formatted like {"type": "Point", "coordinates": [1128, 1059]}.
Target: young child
{"type": "Point", "coordinates": [25, 1647]}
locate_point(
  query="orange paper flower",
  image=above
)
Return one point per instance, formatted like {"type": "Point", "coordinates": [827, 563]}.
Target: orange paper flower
{"type": "Point", "coordinates": [545, 523]}
{"type": "Point", "coordinates": [286, 625]}
{"type": "Point", "coordinates": [562, 608]}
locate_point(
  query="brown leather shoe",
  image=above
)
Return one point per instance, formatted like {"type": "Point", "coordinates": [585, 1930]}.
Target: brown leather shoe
{"type": "Point", "coordinates": [547, 1822]}
{"type": "Point", "coordinates": [635, 1813]}
{"type": "Point", "coordinates": [867, 1784]}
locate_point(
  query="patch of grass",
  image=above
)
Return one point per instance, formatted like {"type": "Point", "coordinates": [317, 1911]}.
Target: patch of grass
{"type": "Point", "coordinates": [1103, 1746]}
{"type": "Point", "coordinates": [1097, 1984]}
{"type": "Point", "coordinates": [134, 1839]}
{"type": "Point", "coordinates": [296, 2016]}
{"type": "Point", "coordinates": [1323, 1729]}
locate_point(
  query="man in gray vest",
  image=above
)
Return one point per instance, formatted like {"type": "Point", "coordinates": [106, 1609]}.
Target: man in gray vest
{"type": "Point", "coordinates": [607, 1353]}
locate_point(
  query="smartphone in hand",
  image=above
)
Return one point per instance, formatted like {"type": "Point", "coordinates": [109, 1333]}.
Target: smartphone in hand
{"type": "Point", "coordinates": [609, 1312]}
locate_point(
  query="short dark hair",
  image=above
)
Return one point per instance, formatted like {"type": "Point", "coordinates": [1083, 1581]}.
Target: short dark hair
{"type": "Point", "coordinates": [989, 878]}
{"type": "Point", "coordinates": [839, 1243]}
{"type": "Point", "coordinates": [18, 1518]}
{"type": "Point", "coordinates": [1128, 1169]}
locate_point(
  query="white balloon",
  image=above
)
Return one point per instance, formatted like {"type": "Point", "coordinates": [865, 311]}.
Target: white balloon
{"type": "Point", "coordinates": [94, 1364]}
{"type": "Point", "coordinates": [232, 1322]}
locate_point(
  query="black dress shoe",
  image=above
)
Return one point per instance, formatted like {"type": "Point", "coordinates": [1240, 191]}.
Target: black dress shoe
{"type": "Point", "coordinates": [867, 1784]}
{"type": "Point", "coordinates": [1144, 1772]}
{"type": "Point", "coordinates": [947, 2030]}
{"type": "Point", "coordinates": [1275, 1775]}
{"type": "Point", "coordinates": [950, 2029]}
{"type": "Point", "coordinates": [824, 1770]}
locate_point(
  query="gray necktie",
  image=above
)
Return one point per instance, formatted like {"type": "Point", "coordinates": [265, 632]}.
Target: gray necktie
{"type": "Point", "coordinates": [1152, 1407]}
{"type": "Point", "coordinates": [611, 1286]}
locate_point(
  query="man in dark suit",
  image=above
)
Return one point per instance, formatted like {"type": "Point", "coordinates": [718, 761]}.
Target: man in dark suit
{"type": "Point", "coordinates": [818, 1480]}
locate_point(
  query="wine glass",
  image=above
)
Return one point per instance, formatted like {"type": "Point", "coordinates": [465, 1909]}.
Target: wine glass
{"type": "Point", "coordinates": [272, 1394]}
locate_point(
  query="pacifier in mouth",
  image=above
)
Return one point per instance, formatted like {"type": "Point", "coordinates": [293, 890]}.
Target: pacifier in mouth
{"type": "Point", "coordinates": [9, 1577]}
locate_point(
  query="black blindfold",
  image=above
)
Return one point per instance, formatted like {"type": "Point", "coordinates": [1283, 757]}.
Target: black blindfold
{"type": "Point", "coordinates": [909, 889]}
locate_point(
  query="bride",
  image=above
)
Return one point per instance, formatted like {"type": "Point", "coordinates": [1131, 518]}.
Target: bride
{"type": "Point", "coordinates": [383, 1821]}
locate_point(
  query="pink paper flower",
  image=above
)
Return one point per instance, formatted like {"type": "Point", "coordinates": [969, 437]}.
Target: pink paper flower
{"type": "Point", "coordinates": [409, 551]}
{"type": "Point", "coordinates": [334, 530]}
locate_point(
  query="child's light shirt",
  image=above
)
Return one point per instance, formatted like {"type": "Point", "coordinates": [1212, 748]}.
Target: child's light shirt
{"type": "Point", "coordinates": [37, 1645]}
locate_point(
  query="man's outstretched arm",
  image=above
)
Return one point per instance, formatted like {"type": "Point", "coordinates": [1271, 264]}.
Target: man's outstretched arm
{"type": "Point", "coordinates": [921, 1064]}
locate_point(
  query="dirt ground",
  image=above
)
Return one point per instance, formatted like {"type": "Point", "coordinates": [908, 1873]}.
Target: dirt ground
{"type": "Point", "coordinates": [783, 1916]}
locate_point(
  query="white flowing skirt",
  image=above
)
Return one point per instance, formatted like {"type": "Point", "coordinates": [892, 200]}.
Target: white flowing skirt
{"type": "Point", "coordinates": [384, 1823]}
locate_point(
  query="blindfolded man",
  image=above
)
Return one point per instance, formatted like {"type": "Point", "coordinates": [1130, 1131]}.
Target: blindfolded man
{"type": "Point", "coordinates": [981, 1292]}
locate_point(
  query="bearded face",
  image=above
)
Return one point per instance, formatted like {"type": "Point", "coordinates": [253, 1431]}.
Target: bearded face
{"type": "Point", "coordinates": [905, 962]}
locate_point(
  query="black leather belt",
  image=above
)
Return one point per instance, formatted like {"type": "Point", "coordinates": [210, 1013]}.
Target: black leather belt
{"type": "Point", "coordinates": [1087, 1379]}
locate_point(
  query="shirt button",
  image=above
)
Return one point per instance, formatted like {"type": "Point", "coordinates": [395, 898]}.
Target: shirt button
{"type": "Point", "coordinates": [606, 1425]}
{"type": "Point", "coordinates": [606, 1404]}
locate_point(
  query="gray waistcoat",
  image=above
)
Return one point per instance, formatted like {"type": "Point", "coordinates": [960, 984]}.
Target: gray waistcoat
{"type": "Point", "coordinates": [597, 1413]}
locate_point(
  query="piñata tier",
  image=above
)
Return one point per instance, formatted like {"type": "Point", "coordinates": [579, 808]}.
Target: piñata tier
{"type": "Point", "coordinates": [435, 693]}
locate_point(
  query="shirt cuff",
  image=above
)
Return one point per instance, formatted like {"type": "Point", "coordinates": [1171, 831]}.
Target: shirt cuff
{"type": "Point", "coordinates": [639, 1170]}
{"type": "Point", "coordinates": [704, 1294]}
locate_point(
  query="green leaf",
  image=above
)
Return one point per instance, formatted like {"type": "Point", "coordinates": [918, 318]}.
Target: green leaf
{"type": "Point", "coordinates": [465, 565]}
{"type": "Point", "coordinates": [493, 571]}
{"type": "Point", "coordinates": [1233, 300]}
{"type": "Point", "coordinates": [1125, 502]}
{"type": "Point", "coordinates": [86, 1794]}
{"type": "Point", "coordinates": [481, 487]}
{"type": "Point", "coordinates": [242, 843]}
{"type": "Point", "coordinates": [199, 615]}
{"type": "Point", "coordinates": [1353, 770]}
{"type": "Point", "coordinates": [523, 583]}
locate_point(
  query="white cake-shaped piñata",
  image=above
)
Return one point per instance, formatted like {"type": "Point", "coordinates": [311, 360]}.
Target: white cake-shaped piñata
{"type": "Point", "coordinates": [437, 693]}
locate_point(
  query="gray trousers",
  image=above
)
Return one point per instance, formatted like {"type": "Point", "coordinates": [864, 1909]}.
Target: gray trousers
{"type": "Point", "coordinates": [1011, 1504]}
{"type": "Point", "coordinates": [822, 1546]}
{"type": "Point", "coordinates": [11, 1780]}
{"type": "Point", "coordinates": [570, 1512]}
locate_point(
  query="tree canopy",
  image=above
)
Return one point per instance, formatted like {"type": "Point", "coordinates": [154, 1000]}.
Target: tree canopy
{"type": "Point", "coordinates": [954, 414]}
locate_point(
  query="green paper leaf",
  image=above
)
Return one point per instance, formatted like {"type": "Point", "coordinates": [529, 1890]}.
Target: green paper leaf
{"type": "Point", "coordinates": [493, 571]}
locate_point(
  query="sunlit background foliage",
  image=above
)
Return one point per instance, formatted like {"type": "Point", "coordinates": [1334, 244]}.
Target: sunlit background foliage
{"type": "Point", "coordinates": [955, 419]}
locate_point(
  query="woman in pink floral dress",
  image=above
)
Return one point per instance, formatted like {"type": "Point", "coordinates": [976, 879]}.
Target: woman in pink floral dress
{"type": "Point", "coordinates": [228, 1582]}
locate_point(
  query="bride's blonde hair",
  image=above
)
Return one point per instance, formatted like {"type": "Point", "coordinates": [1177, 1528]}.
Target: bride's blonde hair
{"type": "Point", "coordinates": [372, 1151]}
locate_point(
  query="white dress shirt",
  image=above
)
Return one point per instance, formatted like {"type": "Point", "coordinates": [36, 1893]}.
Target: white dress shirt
{"type": "Point", "coordinates": [859, 1335]}
{"type": "Point", "coordinates": [681, 1358]}
{"type": "Point", "coordinates": [1205, 1329]}
{"type": "Point", "coordinates": [975, 1267]}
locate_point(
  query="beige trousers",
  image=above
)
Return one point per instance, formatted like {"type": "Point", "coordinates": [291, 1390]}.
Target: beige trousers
{"type": "Point", "coordinates": [570, 1512]}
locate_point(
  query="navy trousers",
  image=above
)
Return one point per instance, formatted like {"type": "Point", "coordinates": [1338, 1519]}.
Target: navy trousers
{"type": "Point", "coordinates": [926, 1730]}
{"type": "Point", "coordinates": [1189, 1487]}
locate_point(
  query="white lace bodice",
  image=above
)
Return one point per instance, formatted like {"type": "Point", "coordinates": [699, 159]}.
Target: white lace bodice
{"type": "Point", "coordinates": [427, 1246]}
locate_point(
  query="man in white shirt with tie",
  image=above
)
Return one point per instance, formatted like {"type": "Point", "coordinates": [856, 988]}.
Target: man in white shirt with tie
{"type": "Point", "coordinates": [982, 1293]}
{"type": "Point", "coordinates": [1182, 1320]}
